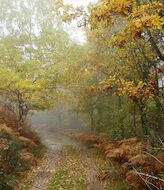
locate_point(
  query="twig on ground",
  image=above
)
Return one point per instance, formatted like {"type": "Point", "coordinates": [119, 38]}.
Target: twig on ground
{"type": "Point", "coordinates": [154, 157]}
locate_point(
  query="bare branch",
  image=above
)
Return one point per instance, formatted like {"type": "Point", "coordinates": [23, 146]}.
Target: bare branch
{"type": "Point", "coordinates": [154, 157]}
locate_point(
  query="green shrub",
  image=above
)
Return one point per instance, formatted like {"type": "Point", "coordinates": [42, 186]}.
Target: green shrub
{"type": "Point", "coordinates": [11, 164]}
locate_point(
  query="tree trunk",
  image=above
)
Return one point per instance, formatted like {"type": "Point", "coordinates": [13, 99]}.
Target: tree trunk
{"type": "Point", "coordinates": [92, 122]}
{"type": "Point", "coordinates": [134, 119]}
{"type": "Point", "coordinates": [21, 122]}
{"type": "Point", "coordinates": [23, 112]}
{"type": "Point", "coordinates": [121, 120]}
{"type": "Point", "coordinates": [143, 118]}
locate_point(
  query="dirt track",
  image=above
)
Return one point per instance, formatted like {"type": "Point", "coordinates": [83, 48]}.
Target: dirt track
{"type": "Point", "coordinates": [44, 173]}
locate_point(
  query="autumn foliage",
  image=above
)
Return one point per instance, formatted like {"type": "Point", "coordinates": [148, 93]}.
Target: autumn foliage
{"type": "Point", "coordinates": [18, 150]}
{"type": "Point", "coordinates": [134, 157]}
{"type": "Point", "coordinates": [119, 85]}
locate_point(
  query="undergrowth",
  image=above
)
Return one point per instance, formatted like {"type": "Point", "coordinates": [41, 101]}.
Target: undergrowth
{"type": "Point", "coordinates": [109, 171]}
{"type": "Point", "coordinates": [11, 165]}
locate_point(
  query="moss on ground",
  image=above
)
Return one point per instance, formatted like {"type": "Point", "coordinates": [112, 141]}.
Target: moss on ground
{"type": "Point", "coordinates": [71, 175]}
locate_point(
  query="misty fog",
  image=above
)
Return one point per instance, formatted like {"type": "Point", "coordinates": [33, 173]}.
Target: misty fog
{"type": "Point", "coordinates": [58, 118]}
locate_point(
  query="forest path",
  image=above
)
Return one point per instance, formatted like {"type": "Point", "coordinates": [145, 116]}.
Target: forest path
{"type": "Point", "coordinates": [67, 165]}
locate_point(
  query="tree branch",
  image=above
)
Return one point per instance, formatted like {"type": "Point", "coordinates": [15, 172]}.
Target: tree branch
{"type": "Point", "coordinates": [154, 45]}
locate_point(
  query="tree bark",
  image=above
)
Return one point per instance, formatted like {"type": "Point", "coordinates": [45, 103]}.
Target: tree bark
{"type": "Point", "coordinates": [92, 122]}
{"type": "Point", "coordinates": [21, 122]}
{"type": "Point", "coordinates": [134, 119]}
{"type": "Point", "coordinates": [154, 45]}
{"type": "Point", "coordinates": [143, 118]}
{"type": "Point", "coordinates": [121, 120]}
{"type": "Point", "coordinates": [23, 111]}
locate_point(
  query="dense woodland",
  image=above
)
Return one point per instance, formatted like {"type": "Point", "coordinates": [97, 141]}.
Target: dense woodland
{"type": "Point", "coordinates": [114, 81]}
{"type": "Point", "coordinates": [121, 71]}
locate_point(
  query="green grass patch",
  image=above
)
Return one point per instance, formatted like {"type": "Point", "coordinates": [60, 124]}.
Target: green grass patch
{"type": "Point", "coordinates": [71, 175]}
{"type": "Point", "coordinates": [39, 151]}
{"type": "Point", "coordinates": [63, 180]}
